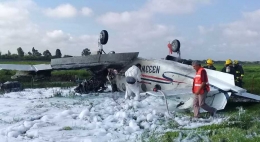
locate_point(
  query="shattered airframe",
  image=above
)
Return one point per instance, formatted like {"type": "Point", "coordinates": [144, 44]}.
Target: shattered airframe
{"type": "Point", "coordinates": [174, 76]}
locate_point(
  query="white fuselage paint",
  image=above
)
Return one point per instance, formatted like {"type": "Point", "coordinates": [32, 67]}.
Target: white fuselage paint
{"type": "Point", "coordinates": [161, 72]}
{"type": "Point", "coordinates": [176, 81]}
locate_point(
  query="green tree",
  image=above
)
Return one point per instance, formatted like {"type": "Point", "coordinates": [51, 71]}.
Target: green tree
{"type": "Point", "coordinates": [47, 53]}
{"type": "Point", "coordinates": [36, 52]}
{"type": "Point", "coordinates": [20, 52]}
{"type": "Point", "coordinates": [9, 53]}
{"type": "Point", "coordinates": [58, 53]}
{"type": "Point", "coordinates": [33, 51]}
{"type": "Point", "coordinates": [85, 52]}
{"type": "Point", "coordinates": [30, 53]}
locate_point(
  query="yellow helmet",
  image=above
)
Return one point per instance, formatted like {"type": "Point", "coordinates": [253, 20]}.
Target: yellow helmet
{"type": "Point", "coordinates": [209, 61]}
{"type": "Point", "coordinates": [228, 61]}
{"type": "Point", "coordinates": [235, 61]}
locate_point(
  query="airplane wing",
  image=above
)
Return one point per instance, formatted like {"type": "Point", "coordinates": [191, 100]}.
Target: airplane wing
{"type": "Point", "coordinates": [95, 62]}
{"type": "Point", "coordinates": [183, 98]}
{"type": "Point", "coordinates": [17, 67]}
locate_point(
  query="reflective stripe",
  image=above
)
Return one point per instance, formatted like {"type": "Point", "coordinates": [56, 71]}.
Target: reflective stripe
{"type": "Point", "coordinates": [200, 84]}
{"type": "Point", "coordinates": [197, 83]}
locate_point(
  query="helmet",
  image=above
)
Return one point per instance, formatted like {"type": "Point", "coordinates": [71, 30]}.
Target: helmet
{"type": "Point", "coordinates": [235, 61]}
{"type": "Point", "coordinates": [209, 61]}
{"type": "Point", "coordinates": [228, 61]}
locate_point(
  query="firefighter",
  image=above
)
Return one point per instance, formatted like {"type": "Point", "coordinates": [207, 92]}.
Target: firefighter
{"type": "Point", "coordinates": [228, 68]}
{"type": "Point", "coordinates": [239, 73]}
{"type": "Point", "coordinates": [209, 63]}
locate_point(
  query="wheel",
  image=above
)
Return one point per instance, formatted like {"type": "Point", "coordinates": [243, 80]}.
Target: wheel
{"type": "Point", "coordinates": [176, 45]}
{"type": "Point", "coordinates": [103, 37]}
{"type": "Point", "coordinates": [158, 87]}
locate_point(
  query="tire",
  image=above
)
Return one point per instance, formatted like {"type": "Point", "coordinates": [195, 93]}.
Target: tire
{"type": "Point", "coordinates": [176, 45]}
{"type": "Point", "coordinates": [158, 87]}
{"type": "Point", "coordinates": [103, 37]}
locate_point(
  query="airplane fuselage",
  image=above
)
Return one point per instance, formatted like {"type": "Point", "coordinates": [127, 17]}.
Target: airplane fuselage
{"type": "Point", "coordinates": [168, 74]}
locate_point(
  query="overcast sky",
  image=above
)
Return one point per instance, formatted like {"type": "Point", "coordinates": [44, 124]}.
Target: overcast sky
{"type": "Point", "coordinates": [217, 29]}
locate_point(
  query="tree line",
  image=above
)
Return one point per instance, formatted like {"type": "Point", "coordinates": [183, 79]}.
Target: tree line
{"type": "Point", "coordinates": [36, 55]}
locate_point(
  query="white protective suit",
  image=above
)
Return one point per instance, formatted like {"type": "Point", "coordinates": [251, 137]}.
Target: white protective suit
{"type": "Point", "coordinates": [135, 72]}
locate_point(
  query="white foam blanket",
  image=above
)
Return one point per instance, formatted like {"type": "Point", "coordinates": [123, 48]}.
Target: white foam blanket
{"type": "Point", "coordinates": [35, 115]}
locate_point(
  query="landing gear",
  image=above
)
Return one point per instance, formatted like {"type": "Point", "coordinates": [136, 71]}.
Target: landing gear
{"type": "Point", "coordinates": [92, 85]}
{"type": "Point", "coordinates": [102, 41]}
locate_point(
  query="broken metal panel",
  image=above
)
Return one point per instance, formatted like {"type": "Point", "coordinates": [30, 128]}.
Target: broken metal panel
{"type": "Point", "coordinates": [93, 61]}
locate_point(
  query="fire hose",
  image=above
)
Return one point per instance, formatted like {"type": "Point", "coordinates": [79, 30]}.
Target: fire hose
{"type": "Point", "coordinates": [166, 103]}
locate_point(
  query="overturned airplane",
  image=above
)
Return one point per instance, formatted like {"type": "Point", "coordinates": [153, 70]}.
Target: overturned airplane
{"type": "Point", "coordinates": [172, 75]}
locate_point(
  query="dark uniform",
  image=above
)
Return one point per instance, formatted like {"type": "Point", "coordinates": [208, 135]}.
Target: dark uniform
{"type": "Point", "coordinates": [239, 74]}
{"type": "Point", "coordinates": [112, 79]}
{"type": "Point", "coordinates": [229, 69]}
{"type": "Point", "coordinates": [209, 67]}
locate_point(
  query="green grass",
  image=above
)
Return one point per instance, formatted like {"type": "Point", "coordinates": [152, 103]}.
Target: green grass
{"type": "Point", "coordinates": [78, 73]}
{"type": "Point", "coordinates": [242, 126]}
{"type": "Point", "coordinates": [59, 78]}
{"type": "Point", "coordinates": [67, 128]}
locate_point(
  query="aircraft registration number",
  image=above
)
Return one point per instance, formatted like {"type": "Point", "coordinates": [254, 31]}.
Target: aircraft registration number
{"type": "Point", "coordinates": [150, 69]}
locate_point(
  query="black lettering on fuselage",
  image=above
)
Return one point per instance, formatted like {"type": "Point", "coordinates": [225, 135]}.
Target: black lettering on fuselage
{"type": "Point", "coordinates": [150, 69]}
{"type": "Point", "coordinates": [143, 69]}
